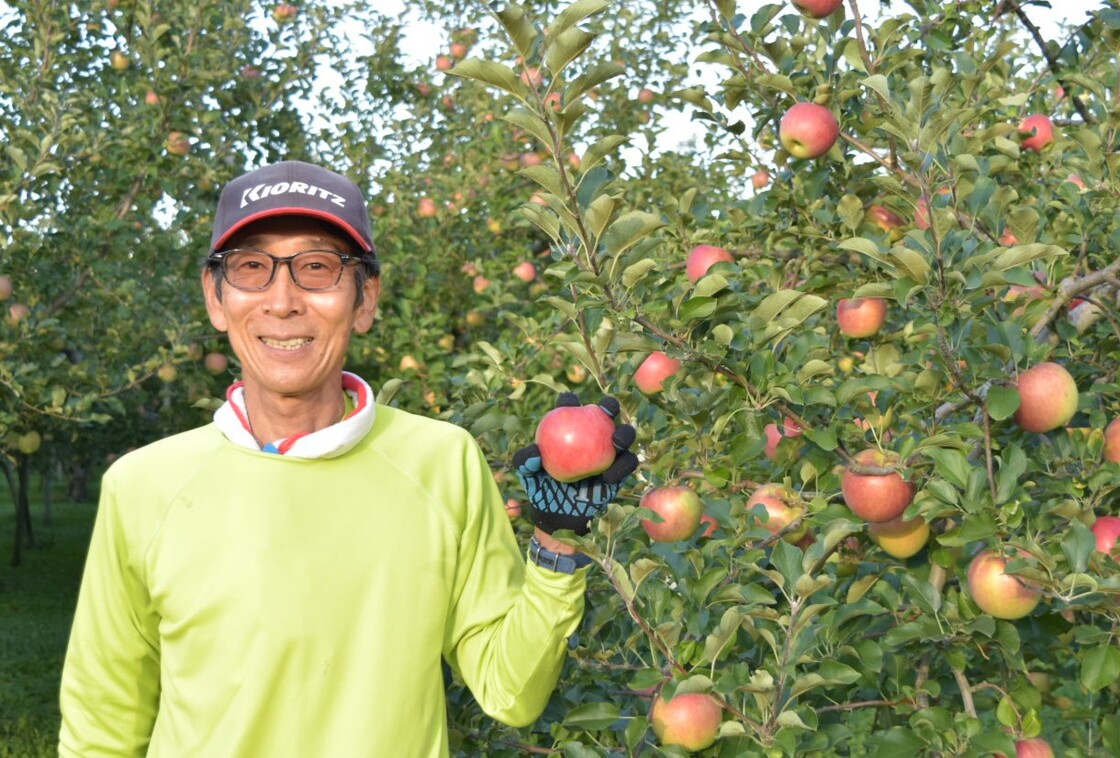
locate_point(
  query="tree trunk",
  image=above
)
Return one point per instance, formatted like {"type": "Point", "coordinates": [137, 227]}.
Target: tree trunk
{"type": "Point", "coordinates": [48, 500]}
{"type": "Point", "coordinates": [24, 533]}
{"type": "Point", "coordinates": [10, 476]}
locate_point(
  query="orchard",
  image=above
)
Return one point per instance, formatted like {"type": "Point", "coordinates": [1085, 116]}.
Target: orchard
{"type": "Point", "coordinates": [865, 325]}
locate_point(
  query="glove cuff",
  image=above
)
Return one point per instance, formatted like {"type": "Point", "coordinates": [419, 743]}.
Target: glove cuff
{"type": "Point", "coordinates": [565, 564]}
{"type": "Point", "coordinates": [550, 522]}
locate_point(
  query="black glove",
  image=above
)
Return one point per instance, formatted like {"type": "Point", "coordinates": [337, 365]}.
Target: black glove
{"type": "Point", "coordinates": [572, 505]}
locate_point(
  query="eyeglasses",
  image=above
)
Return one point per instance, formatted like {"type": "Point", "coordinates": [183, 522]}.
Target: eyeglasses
{"type": "Point", "coordinates": [254, 270]}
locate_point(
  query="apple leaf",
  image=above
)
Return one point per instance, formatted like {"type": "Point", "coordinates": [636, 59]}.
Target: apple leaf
{"type": "Point", "coordinates": [878, 83]}
{"type": "Point", "coordinates": [1012, 465]}
{"type": "Point", "coordinates": [595, 154]}
{"type": "Point", "coordinates": [628, 229]}
{"type": "Point", "coordinates": [778, 82]}
{"type": "Point", "coordinates": [495, 74]}
{"type": "Point", "coordinates": [388, 391]}
{"type": "Point", "coordinates": [519, 29]}
{"type": "Point", "coordinates": [592, 78]}
{"type": "Point", "coordinates": [531, 123]}
{"type": "Point", "coordinates": [1078, 544]}
{"type": "Point", "coordinates": [950, 465]}
{"type": "Point", "coordinates": [592, 716]}
{"type": "Point", "coordinates": [974, 528]}
{"type": "Point", "coordinates": [1100, 666]}
{"type": "Point", "coordinates": [600, 212]}
{"type": "Point", "coordinates": [566, 47]}
{"type": "Point", "coordinates": [546, 176]}
{"type": "Point", "coordinates": [897, 742]}
{"type": "Point", "coordinates": [637, 271]}
{"type": "Point", "coordinates": [575, 13]}
{"type": "Point", "coordinates": [1003, 402]}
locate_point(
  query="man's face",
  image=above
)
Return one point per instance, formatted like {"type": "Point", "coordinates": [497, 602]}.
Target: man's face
{"type": "Point", "coordinates": [291, 342]}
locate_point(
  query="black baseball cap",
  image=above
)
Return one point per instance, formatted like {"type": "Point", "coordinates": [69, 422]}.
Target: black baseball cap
{"type": "Point", "coordinates": [292, 188]}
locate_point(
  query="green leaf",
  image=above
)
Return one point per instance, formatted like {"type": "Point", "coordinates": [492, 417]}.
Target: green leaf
{"type": "Point", "coordinates": [778, 82]}
{"type": "Point", "coordinates": [897, 742]}
{"type": "Point", "coordinates": [637, 271]}
{"type": "Point", "coordinates": [1078, 543]}
{"type": "Point", "coordinates": [519, 29]}
{"type": "Point", "coordinates": [546, 176]}
{"type": "Point", "coordinates": [495, 74]}
{"type": "Point", "coordinates": [592, 716]}
{"type": "Point", "coordinates": [530, 122]}
{"type": "Point", "coordinates": [951, 465]}
{"type": "Point", "coordinates": [878, 83]}
{"type": "Point", "coordinates": [698, 308]}
{"type": "Point", "coordinates": [599, 151]}
{"type": "Point", "coordinates": [592, 78]}
{"type": "Point", "coordinates": [1012, 465]}
{"type": "Point", "coordinates": [1100, 666]}
{"type": "Point", "coordinates": [1002, 402]}
{"type": "Point", "coordinates": [628, 229]}
{"type": "Point", "coordinates": [577, 12]}
{"type": "Point", "coordinates": [388, 391]}
{"type": "Point", "coordinates": [565, 48]}
{"type": "Point", "coordinates": [1020, 255]}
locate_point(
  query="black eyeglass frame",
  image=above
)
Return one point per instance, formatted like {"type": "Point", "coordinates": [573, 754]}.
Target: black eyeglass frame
{"type": "Point", "coordinates": [222, 256]}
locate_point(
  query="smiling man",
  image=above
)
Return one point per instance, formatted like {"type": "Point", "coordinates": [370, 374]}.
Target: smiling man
{"type": "Point", "coordinates": [287, 580]}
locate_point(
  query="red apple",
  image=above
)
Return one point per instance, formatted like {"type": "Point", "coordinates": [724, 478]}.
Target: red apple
{"type": "Point", "coordinates": [1107, 530]}
{"type": "Point", "coordinates": [817, 8]}
{"type": "Point", "coordinates": [216, 362]}
{"type": "Point", "coordinates": [458, 50]}
{"type": "Point", "coordinates": [284, 12]}
{"type": "Point", "coordinates": [444, 62]}
{"type": "Point", "coordinates": [5, 287]}
{"type": "Point", "coordinates": [899, 538]}
{"type": "Point", "coordinates": [1040, 129]}
{"type": "Point", "coordinates": [760, 179]}
{"type": "Point", "coordinates": [1047, 398]}
{"type": "Point", "coordinates": [1111, 440]}
{"type": "Point", "coordinates": [1035, 747]}
{"type": "Point", "coordinates": [178, 143]}
{"type": "Point", "coordinates": [998, 594]}
{"type": "Point", "coordinates": [426, 208]}
{"type": "Point", "coordinates": [513, 508]}
{"type": "Point", "coordinates": [884, 217]}
{"type": "Point", "coordinates": [151, 97]}
{"type": "Point", "coordinates": [689, 720]}
{"type": "Point", "coordinates": [576, 442]}
{"type": "Point", "coordinates": [525, 271]}
{"type": "Point", "coordinates": [783, 507]}
{"type": "Point", "coordinates": [808, 130]}
{"type": "Point", "coordinates": [680, 510]}
{"type": "Point", "coordinates": [773, 437]}
{"type": "Point", "coordinates": [861, 316]}
{"type": "Point", "coordinates": [480, 283]}
{"type": "Point", "coordinates": [532, 76]}
{"type": "Point", "coordinates": [703, 257]}
{"type": "Point", "coordinates": [18, 312]}
{"type": "Point", "coordinates": [876, 497]}
{"type": "Point", "coordinates": [654, 370]}
{"type": "Point", "coordinates": [645, 96]}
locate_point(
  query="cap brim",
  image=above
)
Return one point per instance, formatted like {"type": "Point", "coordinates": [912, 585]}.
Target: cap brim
{"type": "Point", "coordinates": [292, 211]}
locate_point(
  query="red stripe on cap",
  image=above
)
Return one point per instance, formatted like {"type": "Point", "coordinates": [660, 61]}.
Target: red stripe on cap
{"type": "Point", "coordinates": [322, 215]}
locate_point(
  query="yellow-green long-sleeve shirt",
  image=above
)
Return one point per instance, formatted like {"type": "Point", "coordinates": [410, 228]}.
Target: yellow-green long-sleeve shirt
{"type": "Point", "coordinates": [241, 603]}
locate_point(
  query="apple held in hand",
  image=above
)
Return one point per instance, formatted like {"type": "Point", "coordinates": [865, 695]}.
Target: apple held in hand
{"type": "Point", "coordinates": [860, 316]}
{"type": "Point", "coordinates": [680, 510]}
{"type": "Point", "coordinates": [817, 8]}
{"type": "Point", "coordinates": [690, 720]}
{"type": "Point", "coordinates": [655, 369]}
{"type": "Point", "coordinates": [783, 507]}
{"type": "Point", "coordinates": [1047, 398]}
{"type": "Point", "coordinates": [1001, 595]}
{"type": "Point", "coordinates": [703, 257]}
{"type": "Point", "coordinates": [876, 497]}
{"type": "Point", "coordinates": [1107, 529]}
{"type": "Point", "coordinates": [898, 538]}
{"type": "Point", "coordinates": [1040, 129]}
{"type": "Point", "coordinates": [808, 130]}
{"type": "Point", "coordinates": [576, 442]}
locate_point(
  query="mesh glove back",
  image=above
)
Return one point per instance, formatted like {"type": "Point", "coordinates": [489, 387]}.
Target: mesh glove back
{"type": "Point", "coordinates": [572, 505]}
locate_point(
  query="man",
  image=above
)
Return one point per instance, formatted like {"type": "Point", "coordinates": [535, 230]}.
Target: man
{"type": "Point", "coordinates": [287, 580]}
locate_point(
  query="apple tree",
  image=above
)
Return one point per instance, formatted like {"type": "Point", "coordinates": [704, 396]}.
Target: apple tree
{"type": "Point", "coordinates": [926, 191]}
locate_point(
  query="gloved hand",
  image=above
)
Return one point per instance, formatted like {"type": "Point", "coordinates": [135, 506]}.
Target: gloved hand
{"type": "Point", "coordinates": [572, 505]}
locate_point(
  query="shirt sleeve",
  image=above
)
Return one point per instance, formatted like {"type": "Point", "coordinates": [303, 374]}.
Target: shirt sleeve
{"type": "Point", "coordinates": [509, 625]}
{"type": "Point", "coordinates": [110, 680]}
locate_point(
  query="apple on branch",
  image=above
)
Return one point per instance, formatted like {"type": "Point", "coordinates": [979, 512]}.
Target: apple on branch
{"type": "Point", "coordinates": [680, 510]}
{"type": "Point", "coordinates": [1047, 397]}
{"type": "Point", "coordinates": [689, 720]}
{"type": "Point", "coordinates": [860, 316]}
{"type": "Point", "coordinates": [876, 497]}
{"type": "Point", "coordinates": [783, 507]}
{"type": "Point", "coordinates": [703, 257]}
{"type": "Point", "coordinates": [1040, 129]}
{"type": "Point", "coordinates": [817, 8]}
{"type": "Point", "coordinates": [654, 370]}
{"type": "Point", "coordinates": [808, 130]}
{"type": "Point", "coordinates": [997, 593]}
{"type": "Point", "coordinates": [898, 538]}
{"type": "Point", "coordinates": [1107, 529]}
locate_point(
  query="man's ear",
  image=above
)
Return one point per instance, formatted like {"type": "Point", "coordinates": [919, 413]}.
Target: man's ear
{"type": "Point", "coordinates": [213, 301]}
{"type": "Point", "coordinates": [367, 311]}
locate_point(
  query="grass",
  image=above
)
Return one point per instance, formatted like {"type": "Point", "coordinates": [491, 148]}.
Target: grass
{"type": "Point", "coordinates": [36, 606]}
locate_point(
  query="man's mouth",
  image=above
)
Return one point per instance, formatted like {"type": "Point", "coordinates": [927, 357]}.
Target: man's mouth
{"type": "Point", "coordinates": [289, 344]}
